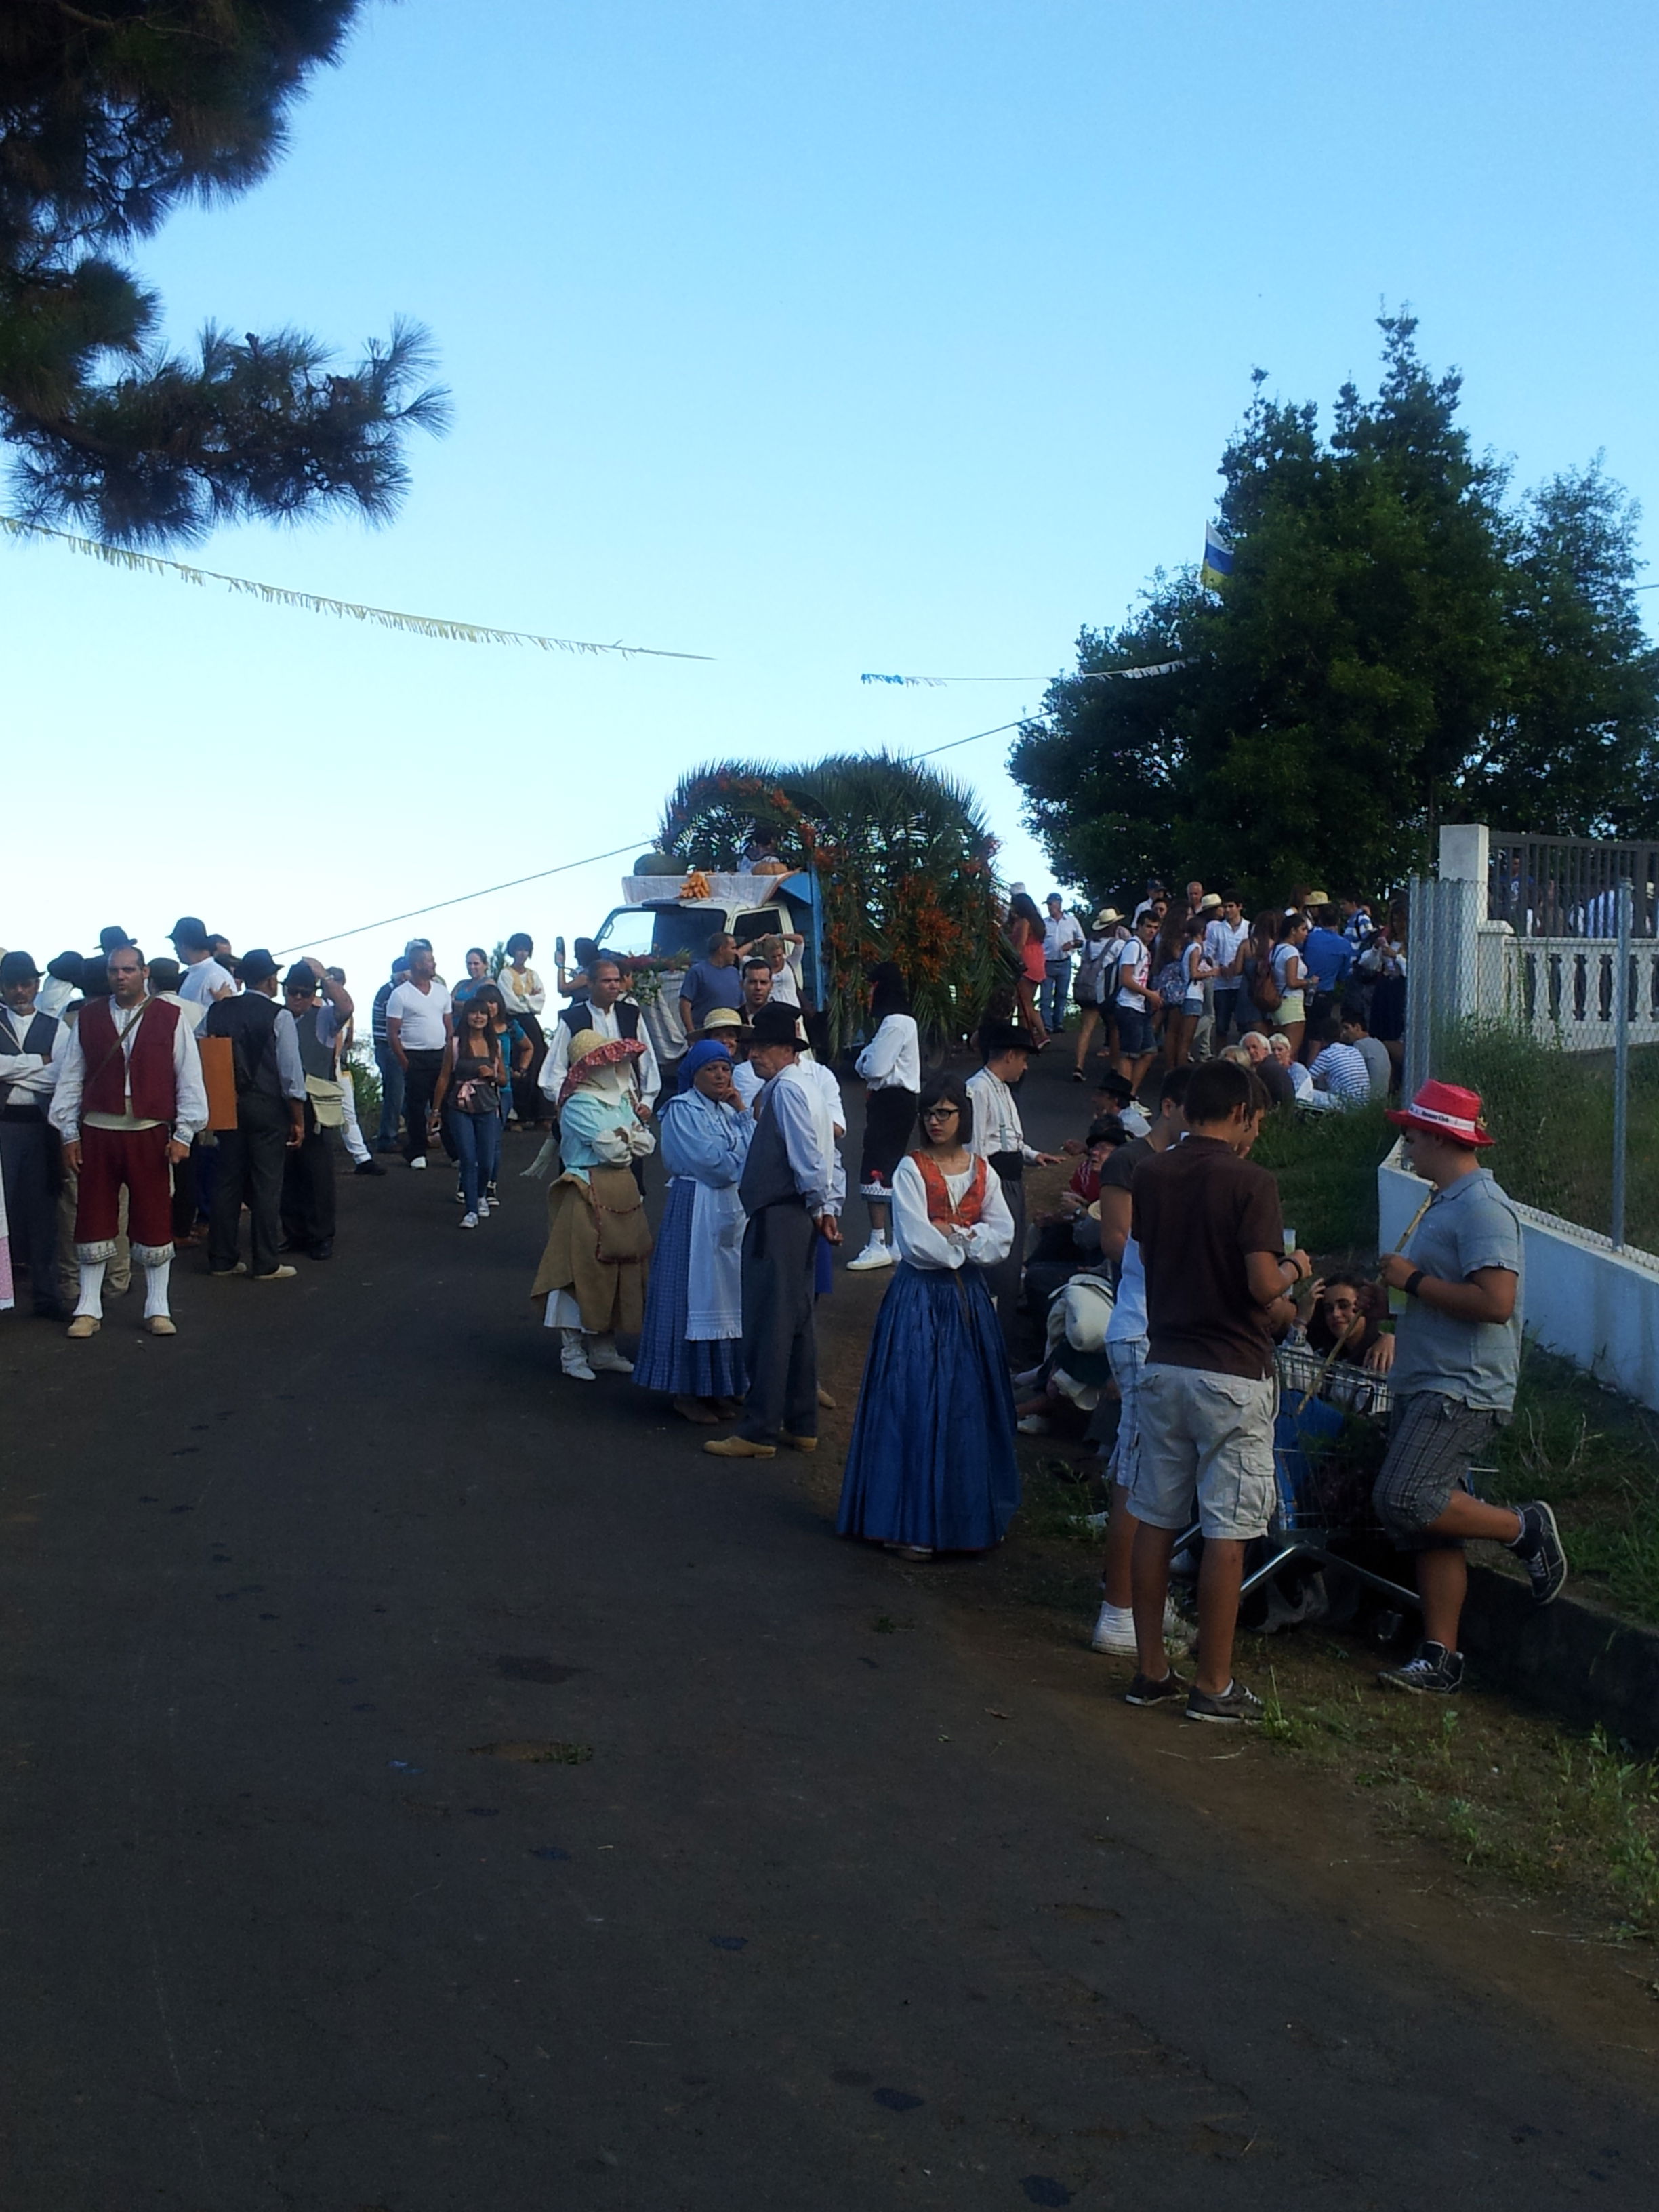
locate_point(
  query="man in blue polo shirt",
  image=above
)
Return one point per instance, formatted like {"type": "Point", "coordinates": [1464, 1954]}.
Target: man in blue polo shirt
{"type": "Point", "coordinates": [1456, 1362]}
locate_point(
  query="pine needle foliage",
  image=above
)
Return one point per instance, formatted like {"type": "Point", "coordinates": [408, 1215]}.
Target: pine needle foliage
{"type": "Point", "coordinates": [905, 856]}
{"type": "Point", "coordinates": [111, 115]}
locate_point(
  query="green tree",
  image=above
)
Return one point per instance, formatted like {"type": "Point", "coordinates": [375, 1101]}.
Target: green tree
{"type": "Point", "coordinates": [1574, 749]}
{"type": "Point", "coordinates": [112, 114]}
{"type": "Point", "coordinates": [1395, 630]}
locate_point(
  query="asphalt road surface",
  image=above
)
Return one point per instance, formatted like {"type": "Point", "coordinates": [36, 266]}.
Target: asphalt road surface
{"type": "Point", "coordinates": [844, 1904]}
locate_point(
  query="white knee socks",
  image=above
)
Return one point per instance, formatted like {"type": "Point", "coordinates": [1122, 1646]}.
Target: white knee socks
{"type": "Point", "coordinates": [91, 1299]}
{"type": "Point", "coordinates": [155, 1286]}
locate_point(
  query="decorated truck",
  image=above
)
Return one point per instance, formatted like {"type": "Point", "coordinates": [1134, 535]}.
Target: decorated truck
{"type": "Point", "coordinates": [886, 860]}
{"type": "Point", "coordinates": [666, 921]}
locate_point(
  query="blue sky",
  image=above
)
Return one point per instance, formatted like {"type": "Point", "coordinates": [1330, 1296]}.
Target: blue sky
{"type": "Point", "coordinates": [897, 336]}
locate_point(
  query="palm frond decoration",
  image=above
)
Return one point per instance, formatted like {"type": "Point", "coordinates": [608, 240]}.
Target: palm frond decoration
{"type": "Point", "coordinates": [905, 859]}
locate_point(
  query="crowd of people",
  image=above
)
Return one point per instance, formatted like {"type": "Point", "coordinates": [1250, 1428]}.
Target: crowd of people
{"type": "Point", "coordinates": [148, 1104]}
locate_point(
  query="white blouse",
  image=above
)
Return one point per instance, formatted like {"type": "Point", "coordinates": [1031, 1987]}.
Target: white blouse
{"type": "Point", "coordinates": [892, 1058]}
{"type": "Point", "coordinates": [924, 1243]}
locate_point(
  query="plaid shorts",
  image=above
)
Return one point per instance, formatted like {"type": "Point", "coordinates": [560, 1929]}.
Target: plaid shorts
{"type": "Point", "coordinates": [1433, 1442]}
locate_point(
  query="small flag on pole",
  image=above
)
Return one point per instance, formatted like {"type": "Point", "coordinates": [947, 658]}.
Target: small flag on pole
{"type": "Point", "coordinates": [1218, 558]}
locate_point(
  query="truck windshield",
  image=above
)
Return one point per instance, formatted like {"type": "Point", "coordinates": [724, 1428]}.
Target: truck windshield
{"type": "Point", "coordinates": [662, 932]}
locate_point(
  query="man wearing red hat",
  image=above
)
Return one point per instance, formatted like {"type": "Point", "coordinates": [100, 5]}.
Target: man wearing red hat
{"type": "Point", "coordinates": [1457, 1357]}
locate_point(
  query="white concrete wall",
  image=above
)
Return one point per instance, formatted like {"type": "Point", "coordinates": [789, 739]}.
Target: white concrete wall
{"type": "Point", "coordinates": [1595, 1306]}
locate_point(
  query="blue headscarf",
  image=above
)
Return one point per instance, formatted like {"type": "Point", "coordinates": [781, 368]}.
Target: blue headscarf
{"type": "Point", "coordinates": [701, 1056]}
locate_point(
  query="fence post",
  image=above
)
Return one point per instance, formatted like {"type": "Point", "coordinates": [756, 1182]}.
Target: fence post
{"type": "Point", "coordinates": [1621, 1016]}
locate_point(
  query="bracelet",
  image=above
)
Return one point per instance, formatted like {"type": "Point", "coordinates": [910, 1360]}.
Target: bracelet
{"type": "Point", "coordinates": [1413, 1283]}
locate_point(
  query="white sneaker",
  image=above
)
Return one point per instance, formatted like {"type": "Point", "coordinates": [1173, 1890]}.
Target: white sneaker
{"type": "Point", "coordinates": [483, 1209]}
{"type": "Point", "coordinates": [419, 1166]}
{"type": "Point", "coordinates": [469, 1221]}
{"type": "Point", "coordinates": [876, 1254]}
{"type": "Point", "coordinates": [604, 1358]}
{"type": "Point", "coordinates": [1114, 1630]}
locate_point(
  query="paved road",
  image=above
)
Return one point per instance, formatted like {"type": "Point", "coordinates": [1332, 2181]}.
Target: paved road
{"type": "Point", "coordinates": [850, 1906]}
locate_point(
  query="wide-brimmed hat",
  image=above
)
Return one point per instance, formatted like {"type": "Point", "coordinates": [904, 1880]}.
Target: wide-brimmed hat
{"type": "Point", "coordinates": [1105, 918]}
{"type": "Point", "coordinates": [722, 1022]}
{"type": "Point", "coordinates": [18, 967]}
{"type": "Point", "coordinates": [590, 1052]}
{"type": "Point", "coordinates": [1210, 903]}
{"type": "Point", "coordinates": [1444, 1109]}
{"type": "Point", "coordinates": [775, 1024]}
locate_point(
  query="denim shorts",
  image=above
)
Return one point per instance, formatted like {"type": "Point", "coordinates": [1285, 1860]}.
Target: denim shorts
{"type": "Point", "coordinates": [1134, 1031]}
{"type": "Point", "coordinates": [1205, 1441]}
{"type": "Point", "coordinates": [1127, 1358]}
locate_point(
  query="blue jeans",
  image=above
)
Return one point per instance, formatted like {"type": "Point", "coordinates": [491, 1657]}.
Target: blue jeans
{"type": "Point", "coordinates": [1056, 989]}
{"type": "Point", "coordinates": [392, 1096]}
{"type": "Point", "coordinates": [478, 1147]}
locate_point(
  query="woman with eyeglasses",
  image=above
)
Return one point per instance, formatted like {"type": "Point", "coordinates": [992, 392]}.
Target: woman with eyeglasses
{"type": "Point", "coordinates": [931, 1466]}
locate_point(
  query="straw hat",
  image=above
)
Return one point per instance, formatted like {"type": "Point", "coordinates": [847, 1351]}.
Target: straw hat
{"type": "Point", "coordinates": [1105, 918]}
{"type": "Point", "coordinates": [590, 1053]}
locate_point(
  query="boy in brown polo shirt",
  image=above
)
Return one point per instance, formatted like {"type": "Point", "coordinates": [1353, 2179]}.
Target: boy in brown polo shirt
{"type": "Point", "coordinates": [1208, 1225]}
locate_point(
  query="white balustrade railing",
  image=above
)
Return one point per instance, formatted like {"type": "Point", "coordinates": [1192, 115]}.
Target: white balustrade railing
{"type": "Point", "coordinates": [1563, 990]}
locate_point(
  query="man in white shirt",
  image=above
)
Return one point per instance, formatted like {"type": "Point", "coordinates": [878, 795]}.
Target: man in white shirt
{"type": "Point", "coordinates": [998, 1138]}
{"type": "Point", "coordinates": [1137, 1002]}
{"type": "Point", "coordinates": [418, 1029]}
{"type": "Point", "coordinates": [1226, 937]}
{"type": "Point", "coordinates": [128, 1102]}
{"type": "Point", "coordinates": [203, 979]}
{"type": "Point", "coordinates": [1062, 939]}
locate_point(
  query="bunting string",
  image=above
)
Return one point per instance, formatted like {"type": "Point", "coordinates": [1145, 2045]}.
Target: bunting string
{"type": "Point", "coordinates": [316, 603]}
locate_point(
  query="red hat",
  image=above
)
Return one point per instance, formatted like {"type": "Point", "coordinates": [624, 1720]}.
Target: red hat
{"type": "Point", "coordinates": [1443, 1110]}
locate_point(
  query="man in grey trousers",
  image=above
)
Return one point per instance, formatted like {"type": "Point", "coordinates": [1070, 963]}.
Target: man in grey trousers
{"type": "Point", "coordinates": [788, 1192]}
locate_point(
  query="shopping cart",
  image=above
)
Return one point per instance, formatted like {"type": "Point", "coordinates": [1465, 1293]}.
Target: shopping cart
{"type": "Point", "coordinates": [1324, 1507]}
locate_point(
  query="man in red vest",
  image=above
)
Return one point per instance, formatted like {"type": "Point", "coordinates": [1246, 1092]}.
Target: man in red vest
{"type": "Point", "coordinates": [129, 1100]}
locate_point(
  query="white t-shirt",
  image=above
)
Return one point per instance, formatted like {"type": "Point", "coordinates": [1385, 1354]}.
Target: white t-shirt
{"type": "Point", "coordinates": [1221, 942]}
{"type": "Point", "coordinates": [421, 1014]}
{"type": "Point", "coordinates": [1135, 957]}
{"type": "Point", "coordinates": [202, 982]}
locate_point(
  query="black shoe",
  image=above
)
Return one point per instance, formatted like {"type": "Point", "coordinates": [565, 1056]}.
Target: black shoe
{"type": "Point", "coordinates": [322, 1251]}
{"type": "Point", "coordinates": [369, 1167]}
{"type": "Point", "coordinates": [1538, 1547]}
{"type": "Point", "coordinates": [1144, 1692]}
{"type": "Point", "coordinates": [1434, 1672]}
{"type": "Point", "coordinates": [54, 1313]}
{"type": "Point", "coordinates": [386, 1148]}
{"type": "Point", "coordinates": [1235, 1704]}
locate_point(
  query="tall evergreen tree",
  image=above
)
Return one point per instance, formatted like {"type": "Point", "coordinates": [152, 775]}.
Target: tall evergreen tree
{"type": "Point", "coordinates": [1398, 644]}
{"type": "Point", "coordinates": [112, 114]}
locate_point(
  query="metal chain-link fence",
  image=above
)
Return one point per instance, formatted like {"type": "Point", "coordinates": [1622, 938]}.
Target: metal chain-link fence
{"type": "Point", "coordinates": [1559, 1034]}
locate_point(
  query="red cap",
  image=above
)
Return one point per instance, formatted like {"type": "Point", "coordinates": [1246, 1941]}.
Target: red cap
{"type": "Point", "coordinates": [1443, 1110]}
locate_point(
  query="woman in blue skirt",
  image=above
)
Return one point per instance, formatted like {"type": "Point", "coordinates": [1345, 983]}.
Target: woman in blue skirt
{"type": "Point", "coordinates": [692, 1344]}
{"type": "Point", "coordinates": [931, 1466]}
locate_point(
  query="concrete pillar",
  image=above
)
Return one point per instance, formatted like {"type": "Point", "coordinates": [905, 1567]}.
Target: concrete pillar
{"type": "Point", "coordinates": [1463, 854]}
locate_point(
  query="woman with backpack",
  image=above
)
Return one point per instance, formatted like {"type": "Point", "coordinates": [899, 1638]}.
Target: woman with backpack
{"type": "Point", "coordinates": [1094, 998]}
{"type": "Point", "coordinates": [1255, 977]}
{"type": "Point", "coordinates": [1290, 979]}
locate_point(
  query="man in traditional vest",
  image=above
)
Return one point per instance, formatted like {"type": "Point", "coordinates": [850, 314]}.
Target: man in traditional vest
{"type": "Point", "coordinates": [30, 1042]}
{"type": "Point", "coordinates": [128, 1101]}
{"type": "Point", "coordinates": [789, 1192]}
{"type": "Point", "coordinates": [602, 1009]}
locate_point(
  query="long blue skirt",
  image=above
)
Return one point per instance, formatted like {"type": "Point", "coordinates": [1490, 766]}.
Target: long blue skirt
{"type": "Point", "coordinates": [708, 1367]}
{"type": "Point", "coordinates": [931, 1460]}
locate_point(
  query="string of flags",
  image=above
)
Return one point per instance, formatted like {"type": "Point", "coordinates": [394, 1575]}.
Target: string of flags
{"type": "Point", "coordinates": [438, 626]}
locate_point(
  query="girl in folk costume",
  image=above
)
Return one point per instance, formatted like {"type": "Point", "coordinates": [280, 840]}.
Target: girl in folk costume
{"type": "Point", "coordinates": [593, 1266]}
{"type": "Point", "coordinates": [692, 1341]}
{"type": "Point", "coordinates": [931, 1466]}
